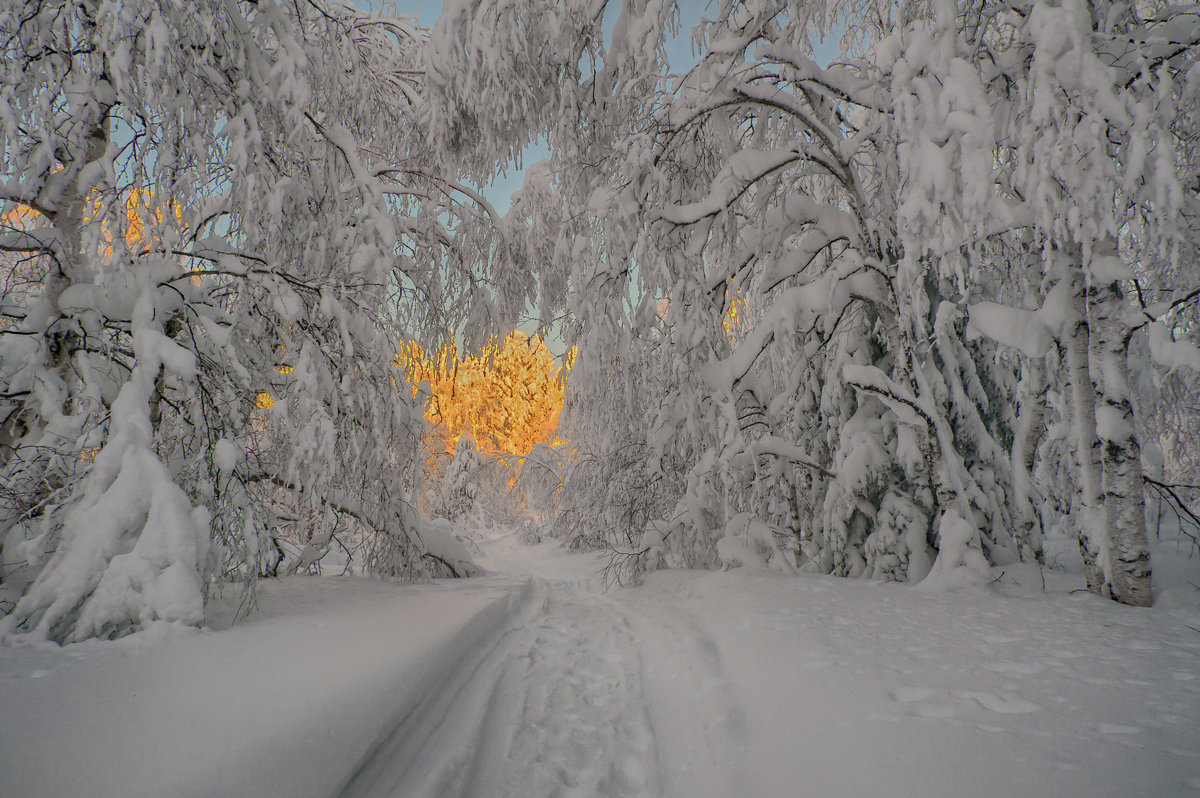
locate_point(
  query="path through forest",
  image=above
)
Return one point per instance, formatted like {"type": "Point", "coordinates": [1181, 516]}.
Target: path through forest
{"type": "Point", "coordinates": [561, 704]}
{"type": "Point", "coordinates": [757, 684]}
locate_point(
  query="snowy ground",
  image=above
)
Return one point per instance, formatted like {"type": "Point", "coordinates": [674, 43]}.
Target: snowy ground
{"type": "Point", "coordinates": [284, 704]}
{"type": "Point", "coordinates": [744, 684]}
{"type": "Point", "coordinates": [697, 684]}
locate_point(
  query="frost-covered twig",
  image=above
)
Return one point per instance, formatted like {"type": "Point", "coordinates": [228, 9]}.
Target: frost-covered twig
{"type": "Point", "coordinates": [1179, 506]}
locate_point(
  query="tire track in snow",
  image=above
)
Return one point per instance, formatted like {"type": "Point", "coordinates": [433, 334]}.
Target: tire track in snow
{"type": "Point", "coordinates": [696, 707]}
{"type": "Point", "coordinates": [554, 707]}
{"type": "Point", "coordinates": [428, 747]}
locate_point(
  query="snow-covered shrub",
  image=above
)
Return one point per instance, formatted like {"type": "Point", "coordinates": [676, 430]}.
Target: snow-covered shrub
{"type": "Point", "coordinates": [457, 491]}
{"type": "Point", "coordinates": [443, 546]}
{"type": "Point", "coordinates": [749, 543]}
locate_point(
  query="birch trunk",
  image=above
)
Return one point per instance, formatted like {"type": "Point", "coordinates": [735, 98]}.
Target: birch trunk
{"type": "Point", "coordinates": [1087, 444]}
{"type": "Point", "coordinates": [1128, 566]}
{"type": "Point", "coordinates": [1031, 425]}
{"type": "Point", "coordinates": [69, 217]}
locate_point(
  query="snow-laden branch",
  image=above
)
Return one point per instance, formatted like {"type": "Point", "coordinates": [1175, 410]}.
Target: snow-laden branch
{"type": "Point", "coordinates": [35, 240]}
{"type": "Point", "coordinates": [902, 402]}
{"type": "Point", "coordinates": [742, 171]}
{"type": "Point", "coordinates": [778, 447]}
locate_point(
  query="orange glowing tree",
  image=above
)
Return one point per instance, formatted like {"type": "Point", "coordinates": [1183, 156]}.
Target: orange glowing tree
{"type": "Point", "coordinates": [509, 396]}
{"type": "Point", "coordinates": [141, 211]}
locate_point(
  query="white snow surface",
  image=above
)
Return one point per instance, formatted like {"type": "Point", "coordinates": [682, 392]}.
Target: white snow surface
{"type": "Point", "coordinates": [735, 683]}
{"type": "Point", "coordinates": [283, 704]}
{"type": "Point", "coordinates": [751, 683]}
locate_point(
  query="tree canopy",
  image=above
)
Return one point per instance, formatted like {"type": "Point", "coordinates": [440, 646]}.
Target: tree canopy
{"type": "Point", "coordinates": [899, 316]}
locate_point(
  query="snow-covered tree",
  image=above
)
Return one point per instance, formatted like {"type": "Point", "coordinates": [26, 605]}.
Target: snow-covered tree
{"type": "Point", "coordinates": [906, 236]}
{"type": "Point", "coordinates": [302, 226]}
{"type": "Point", "coordinates": [1074, 105]}
{"type": "Point", "coordinates": [459, 486]}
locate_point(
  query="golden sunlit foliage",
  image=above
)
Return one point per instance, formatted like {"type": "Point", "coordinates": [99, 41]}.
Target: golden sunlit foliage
{"type": "Point", "coordinates": [264, 400]}
{"type": "Point", "coordinates": [19, 218]}
{"type": "Point", "coordinates": [734, 316]}
{"type": "Point", "coordinates": [509, 395]}
{"type": "Point", "coordinates": [140, 210]}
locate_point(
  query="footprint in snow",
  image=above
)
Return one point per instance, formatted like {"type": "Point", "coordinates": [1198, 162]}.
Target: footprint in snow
{"type": "Point", "coordinates": [1117, 728]}
{"type": "Point", "coordinates": [1005, 705]}
{"type": "Point", "coordinates": [908, 695]}
{"type": "Point", "coordinates": [1014, 668]}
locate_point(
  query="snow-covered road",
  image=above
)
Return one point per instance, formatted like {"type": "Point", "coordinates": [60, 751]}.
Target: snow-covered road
{"type": "Point", "coordinates": [696, 685]}
{"type": "Point", "coordinates": [743, 684]}
{"type": "Point", "coordinates": [556, 705]}
{"type": "Point", "coordinates": [590, 693]}
{"type": "Point", "coordinates": [281, 705]}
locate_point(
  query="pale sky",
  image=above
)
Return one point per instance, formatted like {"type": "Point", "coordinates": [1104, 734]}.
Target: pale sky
{"type": "Point", "coordinates": [679, 50]}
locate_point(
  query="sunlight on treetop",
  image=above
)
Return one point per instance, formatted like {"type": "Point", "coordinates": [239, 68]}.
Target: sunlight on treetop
{"type": "Point", "coordinates": [509, 395]}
